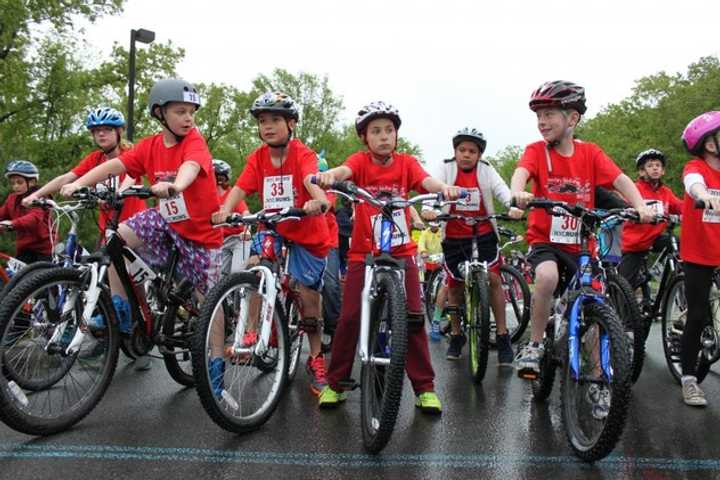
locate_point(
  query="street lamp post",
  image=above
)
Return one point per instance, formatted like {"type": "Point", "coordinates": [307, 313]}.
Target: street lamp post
{"type": "Point", "coordinates": [142, 36]}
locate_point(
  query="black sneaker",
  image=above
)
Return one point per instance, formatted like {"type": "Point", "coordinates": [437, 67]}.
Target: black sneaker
{"type": "Point", "coordinates": [505, 351]}
{"type": "Point", "coordinates": [456, 344]}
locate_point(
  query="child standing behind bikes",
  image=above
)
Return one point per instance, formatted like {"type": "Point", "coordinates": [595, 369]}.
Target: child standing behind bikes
{"type": "Point", "coordinates": [32, 240]}
{"type": "Point", "coordinates": [562, 169]}
{"type": "Point", "coordinates": [638, 239]}
{"type": "Point", "coordinates": [467, 170]}
{"type": "Point", "coordinates": [178, 165]}
{"type": "Point", "coordinates": [381, 169]}
{"type": "Point", "coordinates": [280, 172]}
{"type": "Point", "coordinates": [106, 127]}
{"type": "Point", "coordinates": [700, 231]}
{"type": "Point", "coordinates": [234, 238]}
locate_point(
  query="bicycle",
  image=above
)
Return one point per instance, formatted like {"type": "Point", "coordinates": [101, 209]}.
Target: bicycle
{"type": "Point", "coordinates": [475, 319]}
{"type": "Point", "coordinates": [586, 339]}
{"type": "Point", "coordinates": [63, 300]}
{"type": "Point", "coordinates": [244, 399]}
{"type": "Point", "coordinates": [382, 343]}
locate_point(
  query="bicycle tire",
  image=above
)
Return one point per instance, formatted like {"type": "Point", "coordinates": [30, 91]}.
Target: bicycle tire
{"type": "Point", "coordinates": [295, 339]}
{"type": "Point", "coordinates": [22, 417]}
{"type": "Point", "coordinates": [221, 409]}
{"type": "Point", "coordinates": [597, 445]}
{"type": "Point", "coordinates": [381, 386]}
{"type": "Point", "coordinates": [520, 307]}
{"type": "Point", "coordinates": [542, 385]}
{"type": "Point", "coordinates": [477, 301]}
{"type": "Point", "coordinates": [675, 297]}
{"type": "Point", "coordinates": [622, 297]}
{"type": "Point", "coordinates": [174, 324]}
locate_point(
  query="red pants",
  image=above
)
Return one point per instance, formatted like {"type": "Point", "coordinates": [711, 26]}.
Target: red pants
{"type": "Point", "coordinates": [417, 361]}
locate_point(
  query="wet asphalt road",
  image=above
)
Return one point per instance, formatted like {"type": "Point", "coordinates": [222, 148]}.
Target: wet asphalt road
{"type": "Point", "coordinates": [148, 427]}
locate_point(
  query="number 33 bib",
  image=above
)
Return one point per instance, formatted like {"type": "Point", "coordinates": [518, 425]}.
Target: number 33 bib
{"type": "Point", "coordinates": [278, 192]}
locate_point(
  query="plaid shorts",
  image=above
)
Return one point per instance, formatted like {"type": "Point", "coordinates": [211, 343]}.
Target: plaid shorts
{"type": "Point", "coordinates": [198, 264]}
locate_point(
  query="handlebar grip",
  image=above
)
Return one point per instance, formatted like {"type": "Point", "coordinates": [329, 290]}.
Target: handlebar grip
{"type": "Point", "coordinates": [313, 180]}
{"type": "Point", "coordinates": [702, 204]}
{"type": "Point", "coordinates": [294, 212]}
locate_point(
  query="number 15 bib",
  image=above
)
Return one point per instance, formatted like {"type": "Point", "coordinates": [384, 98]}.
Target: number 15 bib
{"type": "Point", "coordinates": [174, 209]}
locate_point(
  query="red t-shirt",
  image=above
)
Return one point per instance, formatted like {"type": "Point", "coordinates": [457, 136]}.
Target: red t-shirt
{"type": "Point", "coordinates": [241, 207]}
{"type": "Point", "coordinates": [403, 175]}
{"type": "Point", "coordinates": [332, 222]}
{"type": "Point", "coordinates": [476, 208]}
{"type": "Point", "coordinates": [568, 179]}
{"type": "Point", "coordinates": [159, 163]}
{"type": "Point", "coordinates": [700, 232]}
{"type": "Point", "coordinates": [131, 205]}
{"type": "Point", "coordinates": [283, 187]}
{"type": "Point", "coordinates": [639, 237]}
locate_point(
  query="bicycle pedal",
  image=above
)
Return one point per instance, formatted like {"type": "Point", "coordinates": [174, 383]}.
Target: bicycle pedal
{"type": "Point", "coordinates": [348, 384]}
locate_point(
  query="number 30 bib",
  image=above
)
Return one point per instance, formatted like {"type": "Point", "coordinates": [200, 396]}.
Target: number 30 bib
{"type": "Point", "coordinates": [278, 192]}
{"type": "Point", "coordinates": [174, 209]}
{"type": "Point", "coordinates": [565, 229]}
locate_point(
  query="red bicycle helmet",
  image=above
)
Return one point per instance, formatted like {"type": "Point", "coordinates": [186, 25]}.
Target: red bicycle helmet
{"type": "Point", "coordinates": [559, 94]}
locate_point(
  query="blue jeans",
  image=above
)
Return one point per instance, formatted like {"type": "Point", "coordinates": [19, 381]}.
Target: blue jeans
{"type": "Point", "coordinates": [331, 291]}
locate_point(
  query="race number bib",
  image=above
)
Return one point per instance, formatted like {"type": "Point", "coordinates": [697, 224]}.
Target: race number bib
{"type": "Point", "coordinates": [400, 234]}
{"type": "Point", "coordinates": [472, 203]}
{"type": "Point", "coordinates": [656, 206]}
{"type": "Point", "coordinates": [278, 192]}
{"type": "Point", "coordinates": [565, 229]}
{"type": "Point", "coordinates": [712, 216]}
{"type": "Point", "coordinates": [15, 265]}
{"type": "Point", "coordinates": [174, 209]}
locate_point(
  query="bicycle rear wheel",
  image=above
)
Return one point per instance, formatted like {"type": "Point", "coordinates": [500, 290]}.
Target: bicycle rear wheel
{"type": "Point", "coordinates": [477, 307]}
{"type": "Point", "coordinates": [603, 376]}
{"type": "Point", "coordinates": [382, 376]}
{"type": "Point", "coordinates": [517, 304]}
{"type": "Point", "coordinates": [44, 390]}
{"type": "Point", "coordinates": [241, 391]}
{"type": "Point", "coordinates": [674, 317]}
{"type": "Point", "coordinates": [623, 301]}
{"type": "Point", "coordinates": [542, 385]}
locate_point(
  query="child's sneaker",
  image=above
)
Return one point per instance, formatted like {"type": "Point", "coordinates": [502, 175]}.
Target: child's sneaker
{"type": "Point", "coordinates": [316, 369]}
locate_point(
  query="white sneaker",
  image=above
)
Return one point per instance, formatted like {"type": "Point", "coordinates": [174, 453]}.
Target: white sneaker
{"type": "Point", "coordinates": [693, 394]}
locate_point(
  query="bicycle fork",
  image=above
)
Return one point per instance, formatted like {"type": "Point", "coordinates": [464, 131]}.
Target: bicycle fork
{"type": "Point", "coordinates": [368, 295]}
{"type": "Point", "coordinates": [267, 289]}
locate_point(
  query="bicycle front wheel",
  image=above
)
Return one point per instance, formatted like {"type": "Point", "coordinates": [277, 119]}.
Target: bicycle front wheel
{"type": "Point", "coordinates": [477, 308]}
{"type": "Point", "coordinates": [295, 338]}
{"type": "Point", "coordinates": [596, 384]}
{"type": "Point", "coordinates": [239, 391]}
{"type": "Point", "coordinates": [43, 389]}
{"type": "Point", "coordinates": [381, 379]}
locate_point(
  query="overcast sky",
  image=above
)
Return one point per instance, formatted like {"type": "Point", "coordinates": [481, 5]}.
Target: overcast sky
{"type": "Point", "coordinates": [444, 64]}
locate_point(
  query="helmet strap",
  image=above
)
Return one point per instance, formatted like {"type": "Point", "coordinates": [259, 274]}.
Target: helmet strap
{"type": "Point", "coordinates": [163, 122]}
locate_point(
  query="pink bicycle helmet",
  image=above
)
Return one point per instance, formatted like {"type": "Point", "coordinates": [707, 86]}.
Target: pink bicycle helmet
{"type": "Point", "coordinates": [698, 130]}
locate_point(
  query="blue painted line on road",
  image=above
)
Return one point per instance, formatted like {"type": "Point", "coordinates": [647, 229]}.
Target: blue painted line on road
{"type": "Point", "coordinates": [345, 460]}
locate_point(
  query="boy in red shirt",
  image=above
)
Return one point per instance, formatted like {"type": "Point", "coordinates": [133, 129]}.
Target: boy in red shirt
{"type": "Point", "coordinates": [234, 238]}
{"type": "Point", "coordinates": [561, 168]}
{"type": "Point", "coordinates": [381, 168]}
{"type": "Point", "coordinates": [638, 239]}
{"type": "Point", "coordinates": [106, 125]}
{"type": "Point", "coordinates": [32, 240]}
{"type": "Point", "coordinates": [699, 241]}
{"type": "Point", "coordinates": [280, 172]}
{"type": "Point", "coordinates": [174, 160]}
{"type": "Point", "coordinates": [469, 171]}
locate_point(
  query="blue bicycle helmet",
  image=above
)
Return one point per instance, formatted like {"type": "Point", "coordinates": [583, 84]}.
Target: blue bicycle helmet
{"type": "Point", "coordinates": [22, 168]}
{"type": "Point", "coordinates": [105, 116]}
